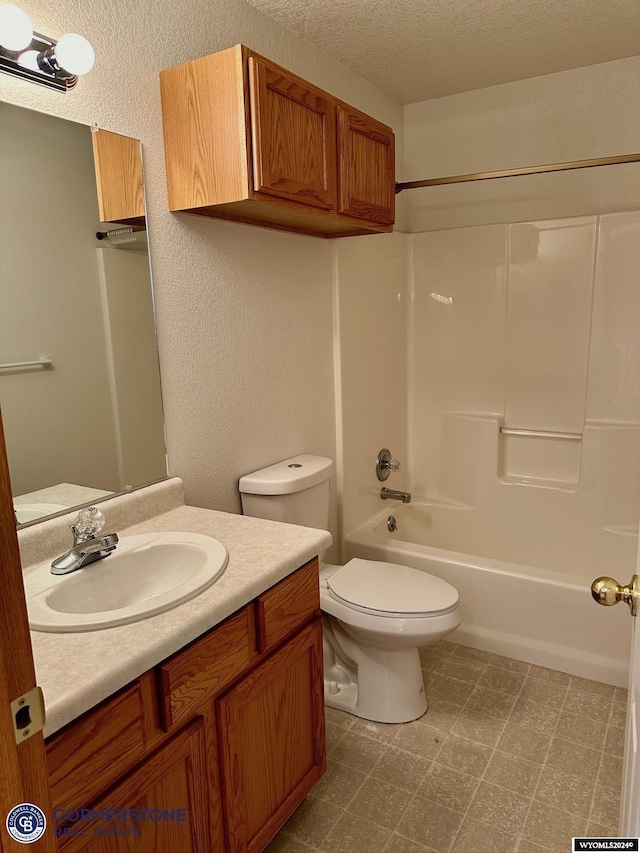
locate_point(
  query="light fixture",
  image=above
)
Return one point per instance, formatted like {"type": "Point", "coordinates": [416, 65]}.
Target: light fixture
{"type": "Point", "coordinates": [16, 29]}
{"type": "Point", "coordinates": [32, 56]}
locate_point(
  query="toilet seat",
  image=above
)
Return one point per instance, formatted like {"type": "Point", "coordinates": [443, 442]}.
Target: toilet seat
{"type": "Point", "coordinates": [391, 590]}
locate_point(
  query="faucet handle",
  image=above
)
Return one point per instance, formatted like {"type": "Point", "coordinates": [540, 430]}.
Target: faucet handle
{"type": "Point", "coordinates": [385, 464]}
{"type": "Point", "coordinates": [89, 522]}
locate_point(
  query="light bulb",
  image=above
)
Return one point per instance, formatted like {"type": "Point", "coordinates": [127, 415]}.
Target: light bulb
{"type": "Point", "coordinates": [16, 29]}
{"type": "Point", "coordinates": [75, 54]}
{"type": "Point", "coordinates": [29, 59]}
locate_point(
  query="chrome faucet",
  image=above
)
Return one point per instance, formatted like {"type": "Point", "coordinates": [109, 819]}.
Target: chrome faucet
{"type": "Point", "coordinates": [87, 545]}
{"type": "Point", "coordinates": [394, 495]}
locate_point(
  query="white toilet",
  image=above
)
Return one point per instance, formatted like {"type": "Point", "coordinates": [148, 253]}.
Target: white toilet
{"type": "Point", "coordinates": [375, 615]}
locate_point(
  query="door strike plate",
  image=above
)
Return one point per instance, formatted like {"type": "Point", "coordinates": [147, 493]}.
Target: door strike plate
{"type": "Point", "coordinates": [28, 714]}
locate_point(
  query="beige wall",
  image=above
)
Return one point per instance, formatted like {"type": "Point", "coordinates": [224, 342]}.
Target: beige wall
{"type": "Point", "coordinates": [244, 314]}
{"type": "Point", "coordinates": [573, 115]}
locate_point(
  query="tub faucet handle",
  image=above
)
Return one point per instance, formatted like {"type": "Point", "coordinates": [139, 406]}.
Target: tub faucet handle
{"type": "Point", "coordinates": [385, 464]}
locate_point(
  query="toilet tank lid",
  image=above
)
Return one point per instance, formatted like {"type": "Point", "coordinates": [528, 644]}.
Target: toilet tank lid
{"type": "Point", "coordinates": [285, 478]}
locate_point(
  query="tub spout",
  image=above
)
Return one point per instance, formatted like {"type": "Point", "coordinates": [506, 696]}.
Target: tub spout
{"type": "Point", "coordinates": [395, 495]}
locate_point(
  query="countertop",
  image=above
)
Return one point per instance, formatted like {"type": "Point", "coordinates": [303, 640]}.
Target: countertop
{"type": "Point", "coordinates": [67, 494]}
{"type": "Point", "coordinates": [78, 670]}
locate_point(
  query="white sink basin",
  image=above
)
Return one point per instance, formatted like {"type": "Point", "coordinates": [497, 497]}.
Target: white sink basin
{"type": "Point", "coordinates": [29, 512]}
{"type": "Point", "coordinates": [146, 574]}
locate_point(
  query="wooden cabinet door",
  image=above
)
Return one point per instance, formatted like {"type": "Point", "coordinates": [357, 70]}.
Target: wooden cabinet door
{"type": "Point", "coordinates": [118, 165]}
{"type": "Point", "coordinates": [272, 747]}
{"type": "Point", "coordinates": [293, 135]}
{"type": "Point", "coordinates": [174, 778]}
{"type": "Point", "coordinates": [366, 167]}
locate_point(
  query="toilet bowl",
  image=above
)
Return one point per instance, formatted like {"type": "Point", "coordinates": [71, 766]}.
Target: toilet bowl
{"type": "Point", "coordinates": [375, 615]}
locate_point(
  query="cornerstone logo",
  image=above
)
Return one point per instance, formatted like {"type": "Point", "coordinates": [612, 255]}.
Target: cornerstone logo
{"type": "Point", "coordinates": [26, 823]}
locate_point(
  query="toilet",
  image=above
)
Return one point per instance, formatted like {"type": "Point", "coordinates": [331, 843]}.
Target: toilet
{"type": "Point", "coordinates": [375, 615]}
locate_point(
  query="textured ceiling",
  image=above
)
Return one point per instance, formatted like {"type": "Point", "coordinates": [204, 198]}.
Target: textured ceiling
{"type": "Point", "coordinates": [420, 49]}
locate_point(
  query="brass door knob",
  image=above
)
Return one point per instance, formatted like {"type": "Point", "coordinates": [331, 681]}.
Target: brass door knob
{"type": "Point", "coordinates": [607, 591]}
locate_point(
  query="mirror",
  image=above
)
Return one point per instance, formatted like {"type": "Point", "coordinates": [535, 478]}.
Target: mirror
{"type": "Point", "coordinates": [79, 377]}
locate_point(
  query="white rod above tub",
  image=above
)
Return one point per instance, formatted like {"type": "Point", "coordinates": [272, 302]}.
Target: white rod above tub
{"type": "Point", "coordinates": [16, 365]}
{"type": "Point", "coordinates": [571, 436]}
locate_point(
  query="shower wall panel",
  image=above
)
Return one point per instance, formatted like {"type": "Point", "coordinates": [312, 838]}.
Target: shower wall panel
{"type": "Point", "coordinates": [614, 380]}
{"type": "Point", "coordinates": [530, 326]}
{"type": "Point", "coordinates": [550, 283]}
{"type": "Point", "coordinates": [370, 335]}
{"type": "Point", "coordinates": [457, 333]}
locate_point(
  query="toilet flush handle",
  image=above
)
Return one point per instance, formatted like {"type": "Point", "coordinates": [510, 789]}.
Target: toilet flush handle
{"type": "Point", "coordinates": [385, 464]}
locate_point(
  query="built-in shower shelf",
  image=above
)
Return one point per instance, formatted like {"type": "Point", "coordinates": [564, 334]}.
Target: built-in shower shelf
{"type": "Point", "coordinates": [538, 433]}
{"type": "Point", "coordinates": [539, 483]}
{"type": "Point", "coordinates": [542, 458]}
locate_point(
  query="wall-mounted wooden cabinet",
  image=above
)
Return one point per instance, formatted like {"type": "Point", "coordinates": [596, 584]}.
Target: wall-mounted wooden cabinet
{"type": "Point", "coordinates": [118, 167]}
{"type": "Point", "coordinates": [249, 141]}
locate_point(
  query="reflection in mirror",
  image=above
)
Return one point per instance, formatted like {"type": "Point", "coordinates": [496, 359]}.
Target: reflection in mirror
{"type": "Point", "coordinates": [89, 422]}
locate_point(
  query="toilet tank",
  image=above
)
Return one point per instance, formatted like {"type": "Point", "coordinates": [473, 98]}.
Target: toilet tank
{"type": "Point", "coordinates": [295, 491]}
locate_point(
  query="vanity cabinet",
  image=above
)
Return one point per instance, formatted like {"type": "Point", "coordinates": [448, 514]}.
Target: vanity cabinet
{"type": "Point", "coordinates": [118, 166]}
{"type": "Point", "coordinates": [230, 730]}
{"type": "Point", "coordinates": [272, 740]}
{"type": "Point", "coordinates": [249, 141]}
{"type": "Point", "coordinates": [173, 778]}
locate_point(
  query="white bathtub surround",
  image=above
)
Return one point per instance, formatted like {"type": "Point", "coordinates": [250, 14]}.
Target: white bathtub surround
{"type": "Point", "coordinates": [371, 283]}
{"type": "Point", "coordinates": [537, 337]}
{"type": "Point", "coordinates": [523, 430]}
{"type": "Point", "coordinates": [549, 283]}
{"type": "Point", "coordinates": [484, 503]}
{"type": "Point", "coordinates": [541, 616]}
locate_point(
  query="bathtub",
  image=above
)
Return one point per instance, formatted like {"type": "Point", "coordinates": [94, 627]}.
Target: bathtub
{"type": "Point", "coordinates": [538, 615]}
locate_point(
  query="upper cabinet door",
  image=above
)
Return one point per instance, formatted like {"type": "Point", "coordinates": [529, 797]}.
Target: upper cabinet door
{"type": "Point", "coordinates": [366, 172]}
{"type": "Point", "coordinates": [294, 137]}
{"type": "Point", "coordinates": [119, 177]}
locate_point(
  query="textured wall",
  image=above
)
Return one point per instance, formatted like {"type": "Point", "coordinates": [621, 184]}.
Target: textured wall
{"type": "Point", "coordinates": [573, 115]}
{"type": "Point", "coordinates": [244, 314]}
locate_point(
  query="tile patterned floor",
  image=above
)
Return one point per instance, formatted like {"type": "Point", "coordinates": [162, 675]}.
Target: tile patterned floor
{"type": "Point", "coordinates": [510, 758]}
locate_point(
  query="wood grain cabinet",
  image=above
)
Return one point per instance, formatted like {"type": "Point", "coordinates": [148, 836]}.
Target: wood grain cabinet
{"type": "Point", "coordinates": [164, 803]}
{"type": "Point", "coordinates": [224, 739]}
{"type": "Point", "coordinates": [366, 158]}
{"type": "Point", "coordinates": [249, 141]}
{"type": "Point", "coordinates": [118, 166]}
{"type": "Point", "coordinates": [277, 709]}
